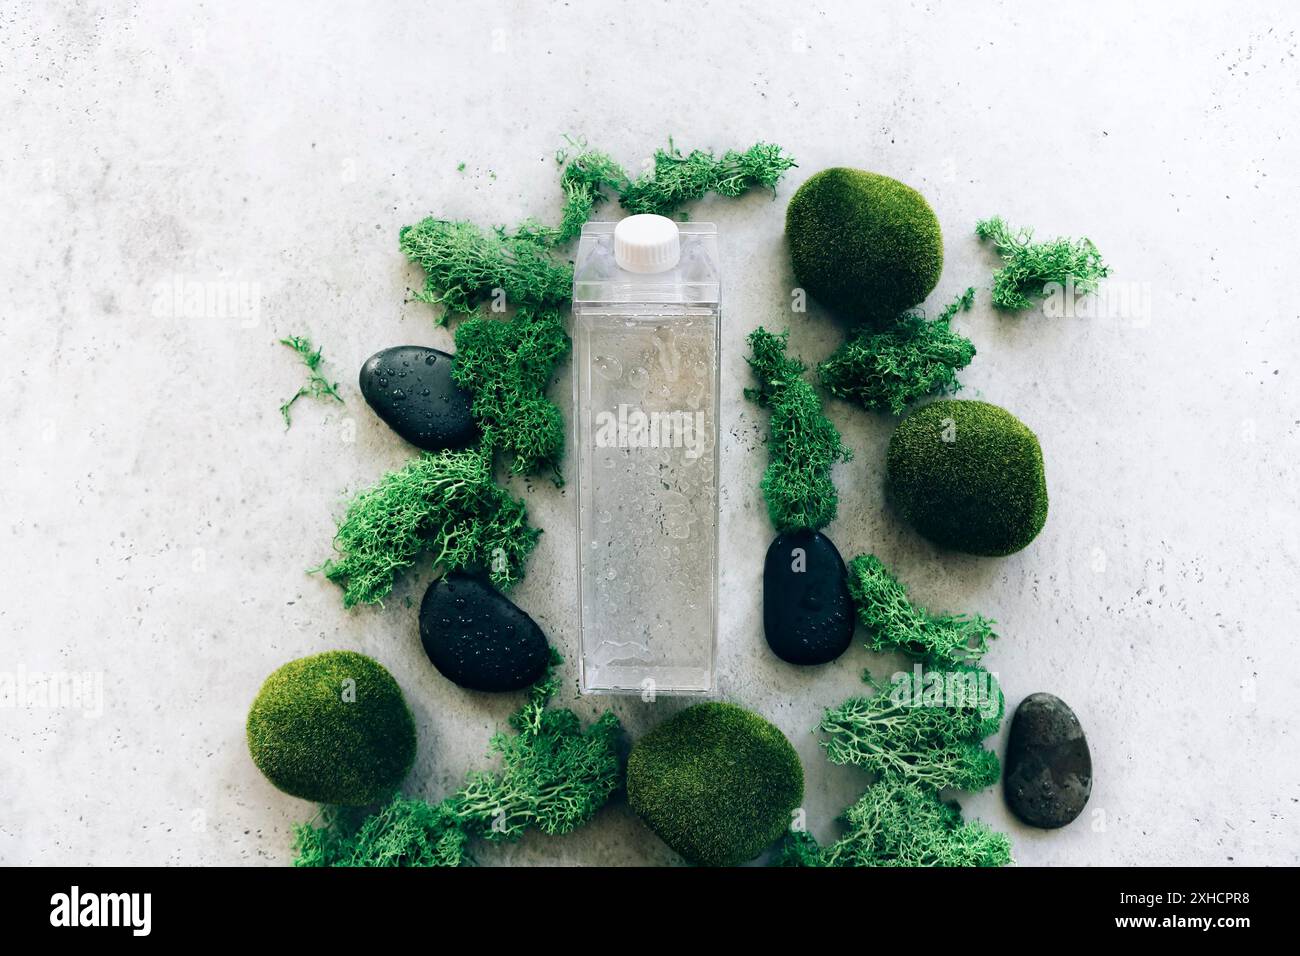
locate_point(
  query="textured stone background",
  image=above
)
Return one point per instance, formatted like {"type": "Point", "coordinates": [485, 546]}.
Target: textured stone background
{"type": "Point", "coordinates": [157, 517]}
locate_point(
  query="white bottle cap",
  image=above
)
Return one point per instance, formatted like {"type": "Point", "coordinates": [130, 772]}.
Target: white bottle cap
{"type": "Point", "coordinates": [647, 243]}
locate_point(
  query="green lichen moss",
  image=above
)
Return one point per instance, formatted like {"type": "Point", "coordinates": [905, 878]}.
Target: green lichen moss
{"type": "Point", "coordinates": [802, 444]}
{"type": "Point", "coordinates": [716, 782]}
{"type": "Point", "coordinates": [507, 366]}
{"type": "Point", "coordinates": [333, 728]}
{"type": "Point", "coordinates": [896, 823]}
{"type": "Point", "coordinates": [968, 476]}
{"type": "Point", "coordinates": [444, 503]}
{"type": "Point", "coordinates": [865, 245]}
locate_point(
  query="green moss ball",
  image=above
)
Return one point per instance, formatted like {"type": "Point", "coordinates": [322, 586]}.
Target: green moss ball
{"type": "Point", "coordinates": [716, 782]}
{"type": "Point", "coordinates": [968, 476]}
{"type": "Point", "coordinates": [333, 728]}
{"type": "Point", "coordinates": [865, 245]}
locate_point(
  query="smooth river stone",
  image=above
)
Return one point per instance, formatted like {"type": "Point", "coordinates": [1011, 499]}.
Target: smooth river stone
{"type": "Point", "coordinates": [478, 638]}
{"type": "Point", "coordinates": [410, 387]}
{"type": "Point", "coordinates": [807, 611]}
{"type": "Point", "coordinates": [1048, 769]}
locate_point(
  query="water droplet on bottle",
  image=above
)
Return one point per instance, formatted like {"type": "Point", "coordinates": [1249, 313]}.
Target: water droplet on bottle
{"type": "Point", "coordinates": [607, 366]}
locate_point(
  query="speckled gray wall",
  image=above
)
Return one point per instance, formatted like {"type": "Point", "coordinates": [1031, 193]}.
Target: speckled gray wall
{"type": "Point", "coordinates": [157, 518]}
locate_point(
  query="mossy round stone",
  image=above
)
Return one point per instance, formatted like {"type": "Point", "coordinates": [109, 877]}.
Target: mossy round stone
{"type": "Point", "coordinates": [716, 782]}
{"type": "Point", "coordinates": [969, 476]}
{"type": "Point", "coordinates": [865, 245]}
{"type": "Point", "coordinates": [333, 728]}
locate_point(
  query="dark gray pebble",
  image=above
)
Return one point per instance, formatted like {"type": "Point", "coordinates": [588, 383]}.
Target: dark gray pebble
{"type": "Point", "coordinates": [410, 387]}
{"type": "Point", "coordinates": [478, 638]}
{"type": "Point", "coordinates": [807, 611]}
{"type": "Point", "coordinates": [1048, 769]}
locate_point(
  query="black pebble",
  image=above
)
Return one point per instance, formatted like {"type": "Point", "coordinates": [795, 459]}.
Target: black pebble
{"type": "Point", "coordinates": [1049, 769]}
{"type": "Point", "coordinates": [410, 387]}
{"type": "Point", "coordinates": [478, 638]}
{"type": "Point", "coordinates": [807, 612]}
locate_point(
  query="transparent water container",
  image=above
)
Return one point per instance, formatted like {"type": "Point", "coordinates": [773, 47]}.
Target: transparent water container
{"type": "Point", "coordinates": [646, 296]}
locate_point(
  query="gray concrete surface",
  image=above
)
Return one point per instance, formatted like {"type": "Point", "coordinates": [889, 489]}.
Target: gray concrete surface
{"type": "Point", "coordinates": [157, 517]}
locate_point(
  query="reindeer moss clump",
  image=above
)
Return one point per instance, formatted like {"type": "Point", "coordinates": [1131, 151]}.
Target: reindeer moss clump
{"type": "Point", "coordinates": [507, 364]}
{"type": "Point", "coordinates": [679, 178]}
{"type": "Point", "coordinates": [923, 728]}
{"type": "Point", "coordinates": [802, 442]}
{"type": "Point", "coordinates": [333, 728]}
{"type": "Point", "coordinates": [445, 504]}
{"type": "Point", "coordinates": [1031, 268]}
{"type": "Point", "coordinates": [893, 623]}
{"type": "Point", "coordinates": [717, 783]}
{"type": "Point", "coordinates": [887, 370]}
{"type": "Point", "coordinates": [896, 823]}
{"type": "Point", "coordinates": [968, 476]}
{"type": "Point", "coordinates": [865, 245]}
{"type": "Point", "coordinates": [465, 265]}
{"type": "Point", "coordinates": [405, 833]}
{"type": "Point", "coordinates": [317, 385]}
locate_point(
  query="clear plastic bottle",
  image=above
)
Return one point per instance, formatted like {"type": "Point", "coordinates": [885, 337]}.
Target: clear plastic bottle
{"type": "Point", "coordinates": [646, 297]}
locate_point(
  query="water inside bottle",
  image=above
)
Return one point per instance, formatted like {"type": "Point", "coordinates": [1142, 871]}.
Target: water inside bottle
{"type": "Point", "coordinates": [646, 404]}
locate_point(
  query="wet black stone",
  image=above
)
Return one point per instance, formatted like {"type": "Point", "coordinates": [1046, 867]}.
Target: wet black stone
{"type": "Point", "coordinates": [410, 387]}
{"type": "Point", "coordinates": [1048, 770]}
{"type": "Point", "coordinates": [807, 613]}
{"type": "Point", "coordinates": [478, 638]}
